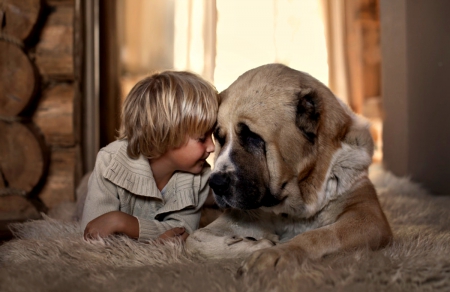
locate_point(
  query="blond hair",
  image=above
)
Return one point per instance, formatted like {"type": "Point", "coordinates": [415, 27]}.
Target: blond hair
{"type": "Point", "coordinates": [162, 110]}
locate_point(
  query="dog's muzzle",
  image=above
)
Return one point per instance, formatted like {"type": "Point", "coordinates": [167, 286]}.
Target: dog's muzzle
{"type": "Point", "coordinates": [229, 191]}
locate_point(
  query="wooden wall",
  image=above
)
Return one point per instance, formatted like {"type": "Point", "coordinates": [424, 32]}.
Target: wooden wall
{"type": "Point", "coordinates": [39, 106]}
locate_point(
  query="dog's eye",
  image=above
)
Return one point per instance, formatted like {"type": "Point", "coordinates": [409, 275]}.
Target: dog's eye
{"type": "Point", "coordinates": [250, 140]}
{"type": "Point", "coordinates": [218, 137]}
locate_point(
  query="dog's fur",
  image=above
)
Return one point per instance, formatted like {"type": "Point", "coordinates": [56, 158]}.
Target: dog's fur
{"type": "Point", "coordinates": [292, 173]}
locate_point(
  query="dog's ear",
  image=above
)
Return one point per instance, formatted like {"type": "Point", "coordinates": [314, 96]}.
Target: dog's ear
{"type": "Point", "coordinates": [222, 96]}
{"type": "Point", "coordinates": [308, 113]}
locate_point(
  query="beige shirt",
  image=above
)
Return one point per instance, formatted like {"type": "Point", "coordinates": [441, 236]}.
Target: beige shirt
{"type": "Point", "coordinates": [121, 183]}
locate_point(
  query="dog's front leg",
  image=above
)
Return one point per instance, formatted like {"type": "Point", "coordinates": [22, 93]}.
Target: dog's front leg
{"type": "Point", "coordinates": [362, 224]}
{"type": "Point", "coordinates": [227, 237]}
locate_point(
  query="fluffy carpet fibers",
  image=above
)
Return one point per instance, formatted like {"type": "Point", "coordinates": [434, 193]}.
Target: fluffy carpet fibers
{"type": "Point", "coordinates": [50, 255]}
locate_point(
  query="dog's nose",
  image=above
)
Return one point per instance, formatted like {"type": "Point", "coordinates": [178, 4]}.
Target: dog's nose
{"type": "Point", "coordinates": [219, 182]}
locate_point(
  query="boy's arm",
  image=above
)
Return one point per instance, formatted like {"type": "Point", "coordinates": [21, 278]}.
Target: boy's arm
{"type": "Point", "coordinates": [152, 229]}
{"type": "Point", "coordinates": [117, 222]}
{"type": "Point", "coordinates": [144, 229]}
{"type": "Point", "coordinates": [111, 223]}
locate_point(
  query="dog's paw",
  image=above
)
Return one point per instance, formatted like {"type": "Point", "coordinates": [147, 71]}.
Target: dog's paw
{"type": "Point", "coordinates": [275, 258]}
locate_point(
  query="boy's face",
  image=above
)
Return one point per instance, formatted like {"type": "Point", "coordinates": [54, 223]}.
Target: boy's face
{"type": "Point", "coordinates": [191, 156]}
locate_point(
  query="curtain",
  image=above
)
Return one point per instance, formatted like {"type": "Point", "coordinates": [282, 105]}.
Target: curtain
{"type": "Point", "coordinates": [195, 36]}
{"type": "Point", "coordinates": [334, 21]}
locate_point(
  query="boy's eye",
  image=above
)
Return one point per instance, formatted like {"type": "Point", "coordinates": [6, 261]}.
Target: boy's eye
{"type": "Point", "coordinates": [201, 139]}
{"type": "Point", "coordinates": [204, 137]}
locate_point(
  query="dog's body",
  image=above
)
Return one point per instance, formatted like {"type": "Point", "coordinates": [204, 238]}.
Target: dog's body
{"type": "Point", "coordinates": [291, 171]}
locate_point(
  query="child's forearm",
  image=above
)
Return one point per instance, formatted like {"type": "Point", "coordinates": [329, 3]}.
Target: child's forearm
{"type": "Point", "coordinates": [112, 223]}
{"type": "Point", "coordinates": [128, 225]}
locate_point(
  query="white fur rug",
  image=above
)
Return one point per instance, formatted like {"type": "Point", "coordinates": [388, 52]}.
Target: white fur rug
{"type": "Point", "coordinates": [50, 255]}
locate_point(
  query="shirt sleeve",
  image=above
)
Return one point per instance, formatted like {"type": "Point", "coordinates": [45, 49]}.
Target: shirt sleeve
{"type": "Point", "coordinates": [102, 195]}
{"type": "Point", "coordinates": [188, 218]}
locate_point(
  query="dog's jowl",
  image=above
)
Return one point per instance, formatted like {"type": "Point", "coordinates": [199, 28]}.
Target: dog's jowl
{"type": "Point", "coordinates": [291, 172]}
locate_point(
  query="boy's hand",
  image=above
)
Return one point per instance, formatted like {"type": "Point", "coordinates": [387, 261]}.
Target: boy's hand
{"type": "Point", "coordinates": [177, 232]}
{"type": "Point", "coordinates": [112, 223]}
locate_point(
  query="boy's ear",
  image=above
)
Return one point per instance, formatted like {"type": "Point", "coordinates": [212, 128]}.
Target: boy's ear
{"type": "Point", "coordinates": [308, 113]}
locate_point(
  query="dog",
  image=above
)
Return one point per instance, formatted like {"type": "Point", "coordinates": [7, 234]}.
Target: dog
{"type": "Point", "coordinates": [291, 173]}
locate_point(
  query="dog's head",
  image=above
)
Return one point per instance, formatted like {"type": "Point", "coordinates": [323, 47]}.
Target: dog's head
{"type": "Point", "coordinates": [277, 133]}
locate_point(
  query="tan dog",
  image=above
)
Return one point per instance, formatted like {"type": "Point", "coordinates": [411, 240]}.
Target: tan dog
{"type": "Point", "coordinates": [291, 170]}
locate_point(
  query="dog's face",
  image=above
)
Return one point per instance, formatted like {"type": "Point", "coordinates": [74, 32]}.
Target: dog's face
{"type": "Point", "coordinates": [276, 129]}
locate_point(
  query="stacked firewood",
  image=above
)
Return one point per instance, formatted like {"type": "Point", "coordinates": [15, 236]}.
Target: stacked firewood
{"type": "Point", "coordinates": [39, 107]}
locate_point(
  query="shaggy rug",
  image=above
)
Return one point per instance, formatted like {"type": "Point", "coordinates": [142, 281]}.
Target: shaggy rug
{"type": "Point", "coordinates": [50, 255]}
